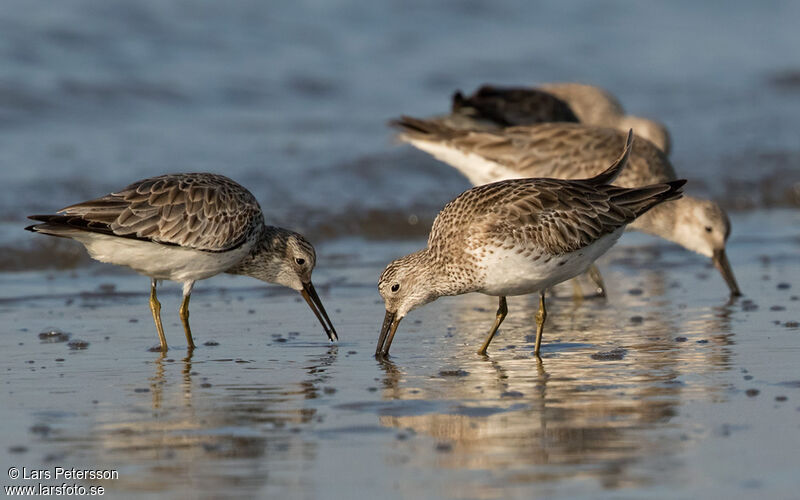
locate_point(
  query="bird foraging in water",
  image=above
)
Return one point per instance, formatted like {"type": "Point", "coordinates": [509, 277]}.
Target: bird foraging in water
{"type": "Point", "coordinates": [185, 228]}
{"type": "Point", "coordinates": [577, 151]}
{"type": "Point", "coordinates": [515, 237]}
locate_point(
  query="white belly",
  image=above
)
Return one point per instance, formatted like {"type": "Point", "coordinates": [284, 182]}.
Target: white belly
{"type": "Point", "coordinates": [507, 273]}
{"type": "Point", "coordinates": [159, 261]}
{"type": "Point", "coordinates": [477, 169]}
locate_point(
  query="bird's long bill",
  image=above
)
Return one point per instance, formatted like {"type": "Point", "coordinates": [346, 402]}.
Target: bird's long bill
{"type": "Point", "coordinates": [721, 263]}
{"type": "Point", "coordinates": [310, 294]}
{"type": "Point", "coordinates": [390, 323]}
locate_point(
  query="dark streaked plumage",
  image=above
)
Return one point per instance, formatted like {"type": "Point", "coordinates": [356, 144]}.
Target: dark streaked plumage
{"type": "Point", "coordinates": [558, 150]}
{"type": "Point", "coordinates": [188, 227]}
{"type": "Point", "coordinates": [552, 216]}
{"type": "Point", "coordinates": [492, 107]}
{"type": "Point", "coordinates": [207, 212]}
{"type": "Point", "coordinates": [576, 151]}
{"type": "Point", "coordinates": [515, 237]}
{"type": "Point", "coordinates": [508, 107]}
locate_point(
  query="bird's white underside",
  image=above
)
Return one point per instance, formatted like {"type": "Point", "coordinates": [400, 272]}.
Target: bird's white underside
{"type": "Point", "coordinates": [158, 261]}
{"type": "Point", "coordinates": [508, 273]}
{"type": "Point", "coordinates": [474, 167]}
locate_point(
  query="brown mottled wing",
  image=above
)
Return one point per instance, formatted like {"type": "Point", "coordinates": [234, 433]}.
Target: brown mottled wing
{"type": "Point", "coordinates": [202, 211]}
{"type": "Point", "coordinates": [568, 151]}
{"type": "Point", "coordinates": [555, 150]}
{"type": "Point", "coordinates": [552, 215]}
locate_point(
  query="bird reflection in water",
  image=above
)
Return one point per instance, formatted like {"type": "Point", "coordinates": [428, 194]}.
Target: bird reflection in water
{"type": "Point", "coordinates": [191, 426]}
{"type": "Point", "coordinates": [533, 422]}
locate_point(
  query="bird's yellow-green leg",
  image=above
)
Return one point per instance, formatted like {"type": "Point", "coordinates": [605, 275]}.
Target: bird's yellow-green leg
{"type": "Point", "coordinates": [577, 291]}
{"type": "Point", "coordinates": [184, 314]}
{"type": "Point", "coordinates": [595, 275]}
{"type": "Point", "coordinates": [540, 317]}
{"type": "Point", "coordinates": [155, 308]}
{"type": "Point", "coordinates": [502, 310]}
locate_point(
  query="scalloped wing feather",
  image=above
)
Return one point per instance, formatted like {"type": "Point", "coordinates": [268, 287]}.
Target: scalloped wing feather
{"type": "Point", "coordinates": [201, 211]}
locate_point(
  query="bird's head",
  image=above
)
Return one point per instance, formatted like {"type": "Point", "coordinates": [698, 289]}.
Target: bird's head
{"type": "Point", "coordinates": [704, 227]}
{"type": "Point", "coordinates": [287, 258]}
{"type": "Point", "coordinates": [405, 284]}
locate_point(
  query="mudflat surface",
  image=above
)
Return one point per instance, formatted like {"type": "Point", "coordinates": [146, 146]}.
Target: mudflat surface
{"type": "Point", "coordinates": [666, 389]}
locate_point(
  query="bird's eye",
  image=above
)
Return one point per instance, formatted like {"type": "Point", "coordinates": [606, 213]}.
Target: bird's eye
{"type": "Point", "coordinates": [708, 229]}
{"type": "Point", "coordinates": [300, 262]}
{"type": "Point", "coordinates": [396, 287]}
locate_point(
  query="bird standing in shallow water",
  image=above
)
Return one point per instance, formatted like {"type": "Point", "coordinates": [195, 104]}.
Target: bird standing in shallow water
{"type": "Point", "coordinates": [515, 237]}
{"type": "Point", "coordinates": [577, 151]}
{"type": "Point", "coordinates": [188, 227]}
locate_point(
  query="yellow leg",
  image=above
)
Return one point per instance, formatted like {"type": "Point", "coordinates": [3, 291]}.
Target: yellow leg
{"type": "Point", "coordinates": [540, 317]}
{"type": "Point", "coordinates": [595, 275]}
{"type": "Point", "coordinates": [155, 308]}
{"type": "Point", "coordinates": [184, 314]}
{"type": "Point", "coordinates": [502, 310]}
{"type": "Point", "coordinates": [577, 291]}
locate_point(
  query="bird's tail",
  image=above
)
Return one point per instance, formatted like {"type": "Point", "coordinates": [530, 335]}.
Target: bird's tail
{"type": "Point", "coordinates": [640, 200]}
{"type": "Point", "coordinates": [430, 129]}
{"type": "Point", "coordinates": [45, 223]}
{"type": "Point", "coordinates": [65, 226]}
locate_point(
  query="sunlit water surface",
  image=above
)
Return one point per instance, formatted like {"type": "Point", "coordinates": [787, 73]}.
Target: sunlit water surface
{"type": "Point", "coordinates": [666, 389]}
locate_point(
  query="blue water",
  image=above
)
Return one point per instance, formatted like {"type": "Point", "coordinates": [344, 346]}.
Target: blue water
{"type": "Point", "coordinates": [291, 98]}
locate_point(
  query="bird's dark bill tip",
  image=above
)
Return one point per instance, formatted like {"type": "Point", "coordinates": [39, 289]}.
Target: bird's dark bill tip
{"type": "Point", "coordinates": [722, 264]}
{"type": "Point", "coordinates": [388, 329]}
{"type": "Point", "coordinates": [315, 303]}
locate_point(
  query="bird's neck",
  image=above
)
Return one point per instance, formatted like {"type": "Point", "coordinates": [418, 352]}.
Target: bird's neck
{"type": "Point", "coordinates": [658, 221]}
{"type": "Point", "coordinates": [266, 241]}
{"type": "Point", "coordinates": [442, 274]}
{"type": "Point", "coordinates": [672, 221]}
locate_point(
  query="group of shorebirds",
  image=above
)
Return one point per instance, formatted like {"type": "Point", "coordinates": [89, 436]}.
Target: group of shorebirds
{"type": "Point", "coordinates": [558, 176]}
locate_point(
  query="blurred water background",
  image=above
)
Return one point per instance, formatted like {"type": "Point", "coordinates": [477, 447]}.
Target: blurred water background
{"type": "Point", "coordinates": [291, 98]}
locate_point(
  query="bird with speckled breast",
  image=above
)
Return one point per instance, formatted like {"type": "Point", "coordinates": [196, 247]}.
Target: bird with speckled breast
{"type": "Point", "coordinates": [515, 237]}
{"type": "Point", "coordinates": [577, 151]}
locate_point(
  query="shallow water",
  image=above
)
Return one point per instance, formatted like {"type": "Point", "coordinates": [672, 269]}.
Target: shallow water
{"type": "Point", "coordinates": [666, 389]}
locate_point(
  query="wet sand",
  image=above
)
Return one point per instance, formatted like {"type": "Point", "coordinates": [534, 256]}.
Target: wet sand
{"type": "Point", "coordinates": [666, 389]}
